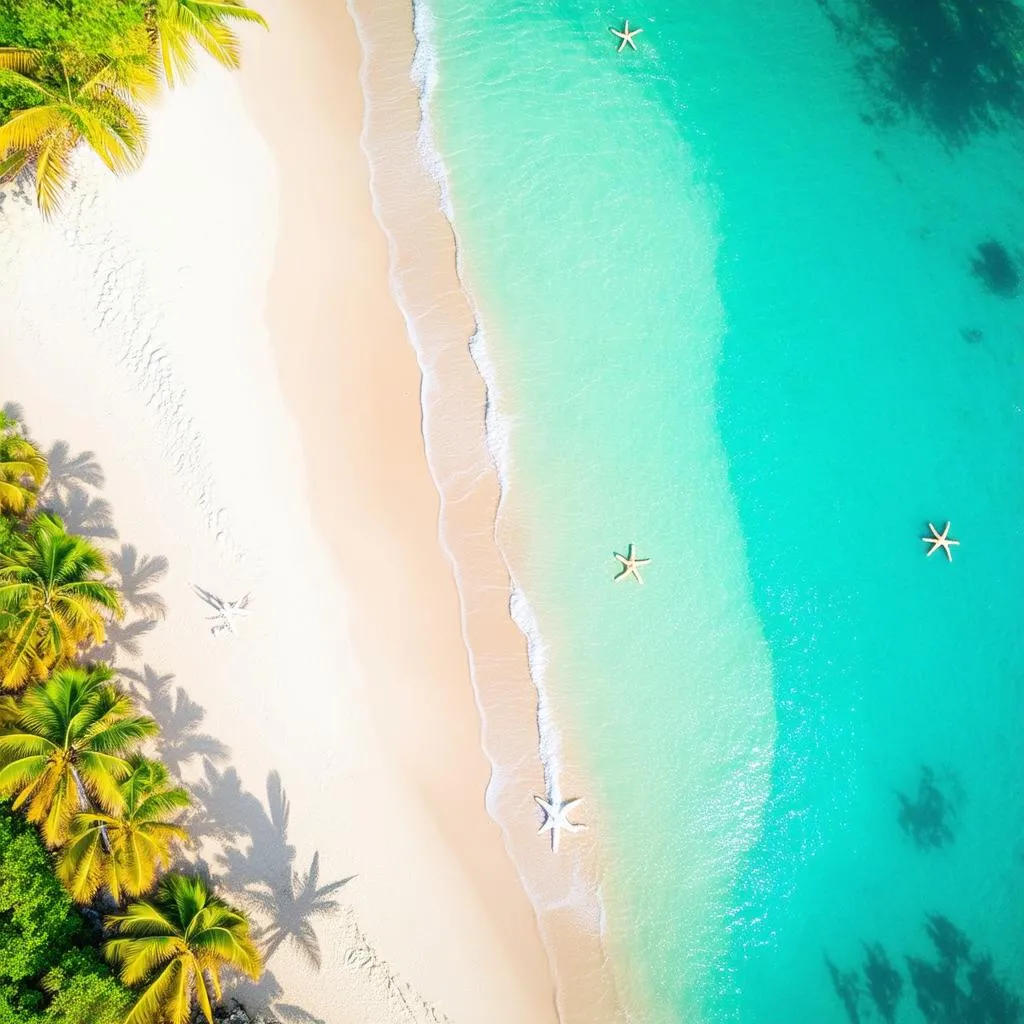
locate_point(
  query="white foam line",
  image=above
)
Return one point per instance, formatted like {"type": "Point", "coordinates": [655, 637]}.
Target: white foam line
{"type": "Point", "coordinates": [424, 74]}
{"type": "Point", "coordinates": [497, 428]}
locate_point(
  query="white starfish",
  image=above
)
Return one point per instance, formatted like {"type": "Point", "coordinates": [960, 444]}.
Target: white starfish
{"type": "Point", "coordinates": [626, 36]}
{"type": "Point", "coordinates": [227, 613]}
{"type": "Point", "coordinates": [556, 818]}
{"type": "Point", "coordinates": [630, 565]}
{"type": "Point", "coordinates": [940, 540]}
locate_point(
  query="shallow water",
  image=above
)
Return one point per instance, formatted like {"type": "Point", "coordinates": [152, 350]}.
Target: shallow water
{"type": "Point", "coordinates": [733, 299]}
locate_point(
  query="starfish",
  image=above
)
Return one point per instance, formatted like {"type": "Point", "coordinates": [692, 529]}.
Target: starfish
{"type": "Point", "coordinates": [940, 540]}
{"type": "Point", "coordinates": [228, 613]}
{"type": "Point", "coordinates": [630, 565]}
{"type": "Point", "coordinates": [626, 36]}
{"type": "Point", "coordinates": [556, 818]}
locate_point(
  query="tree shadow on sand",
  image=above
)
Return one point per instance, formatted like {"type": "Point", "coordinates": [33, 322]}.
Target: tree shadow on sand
{"type": "Point", "coordinates": [250, 837]}
{"type": "Point", "coordinates": [181, 739]}
{"type": "Point", "coordinates": [303, 901]}
{"type": "Point", "coordinates": [135, 575]}
{"type": "Point", "coordinates": [958, 65]}
{"type": "Point", "coordinates": [68, 492]}
{"type": "Point", "coordinates": [245, 838]}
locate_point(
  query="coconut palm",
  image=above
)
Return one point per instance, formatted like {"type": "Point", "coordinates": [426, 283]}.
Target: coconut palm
{"type": "Point", "coordinates": [180, 25]}
{"type": "Point", "coordinates": [51, 600]}
{"type": "Point", "coordinates": [93, 103]}
{"type": "Point", "coordinates": [177, 945]}
{"type": "Point", "coordinates": [22, 468]}
{"type": "Point", "coordinates": [122, 851]}
{"type": "Point", "coordinates": [65, 749]}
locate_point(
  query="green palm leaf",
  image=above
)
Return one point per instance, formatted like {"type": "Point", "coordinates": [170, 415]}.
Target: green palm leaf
{"type": "Point", "coordinates": [176, 945]}
{"type": "Point", "coordinates": [48, 761]}
{"type": "Point", "coordinates": [122, 851]}
{"type": "Point", "coordinates": [54, 600]}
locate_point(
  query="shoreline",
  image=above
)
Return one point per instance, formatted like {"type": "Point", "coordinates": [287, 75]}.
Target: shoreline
{"type": "Point", "coordinates": [356, 748]}
{"type": "Point", "coordinates": [463, 432]}
{"type": "Point", "coordinates": [386, 48]}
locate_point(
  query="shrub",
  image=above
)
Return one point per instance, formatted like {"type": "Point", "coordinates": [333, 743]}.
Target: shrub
{"type": "Point", "coordinates": [51, 971]}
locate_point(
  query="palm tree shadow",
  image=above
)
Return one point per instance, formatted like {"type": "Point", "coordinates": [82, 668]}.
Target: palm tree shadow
{"type": "Point", "coordinates": [122, 640]}
{"type": "Point", "coordinates": [225, 809]}
{"type": "Point", "coordinates": [84, 514]}
{"type": "Point", "coordinates": [179, 717]}
{"type": "Point", "coordinates": [135, 575]}
{"type": "Point", "coordinates": [257, 862]}
{"type": "Point", "coordinates": [290, 910]}
{"type": "Point", "coordinates": [68, 473]}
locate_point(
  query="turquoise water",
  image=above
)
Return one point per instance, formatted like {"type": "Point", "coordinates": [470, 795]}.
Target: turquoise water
{"type": "Point", "coordinates": [736, 311]}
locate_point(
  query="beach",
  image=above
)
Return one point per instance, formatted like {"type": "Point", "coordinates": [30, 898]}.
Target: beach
{"type": "Point", "coordinates": [402, 344]}
{"type": "Point", "coordinates": [219, 331]}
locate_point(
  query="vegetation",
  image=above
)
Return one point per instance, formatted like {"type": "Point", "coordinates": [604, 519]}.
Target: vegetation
{"type": "Point", "coordinates": [121, 850]}
{"type": "Point", "coordinates": [22, 468]}
{"type": "Point", "coordinates": [65, 751]}
{"type": "Point", "coordinates": [51, 970]}
{"type": "Point", "coordinates": [74, 71]}
{"type": "Point", "coordinates": [177, 944]}
{"type": "Point", "coordinates": [51, 600]}
{"type": "Point", "coordinates": [71, 762]}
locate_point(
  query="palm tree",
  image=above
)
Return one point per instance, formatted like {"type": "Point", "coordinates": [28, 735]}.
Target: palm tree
{"type": "Point", "coordinates": [122, 851]}
{"type": "Point", "coordinates": [180, 25]}
{"type": "Point", "coordinates": [292, 907]}
{"type": "Point", "coordinates": [95, 103]}
{"type": "Point", "coordinates": [22, 468]}
{"type": "Point", "coordinates": [177, 945]}
{"type": "Point", "coordinates": [51, 600]}
{"type": "Point", "coordinates": [65, 748]}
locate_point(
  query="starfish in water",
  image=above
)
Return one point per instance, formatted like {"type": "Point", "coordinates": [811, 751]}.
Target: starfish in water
{"type": "Point", "coordinates": [556, 818]}
{"type": "Point", "coordinates": [227, 613]}
{"type": "Point", "coordinates": [626, 36]}
{"type": "Point", "coordinates": [630, 565]}
{"type": "Point", "coordinates": [940, 540]}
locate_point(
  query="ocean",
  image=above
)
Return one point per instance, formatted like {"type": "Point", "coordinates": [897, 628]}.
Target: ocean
{"type": "Point", "coordinates": [750, 298]}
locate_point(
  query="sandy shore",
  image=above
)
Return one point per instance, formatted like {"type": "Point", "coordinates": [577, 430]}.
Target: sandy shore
{"type": "Point", "coordinates": [218, 330]}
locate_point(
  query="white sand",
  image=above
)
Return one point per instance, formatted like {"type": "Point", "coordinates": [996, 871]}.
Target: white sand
{"type": "Point", "coordinates": [133, 326]}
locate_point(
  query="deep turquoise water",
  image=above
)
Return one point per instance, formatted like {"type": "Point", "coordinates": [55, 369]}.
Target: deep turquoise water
{"type": "Point", "coordinates": [730, 289]}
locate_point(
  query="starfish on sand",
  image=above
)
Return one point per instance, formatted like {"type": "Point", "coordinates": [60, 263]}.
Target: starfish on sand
{"type": "Point", "coordinates": [227, 613]}
{"type": "Point", "coordinates": [556, 818]}
{"type": "Point", "coordinates": [626, 36]}
{"type": "Point", "coordinates": [630, 565]}
{"type": "Point", "coordinates": [940, 540]}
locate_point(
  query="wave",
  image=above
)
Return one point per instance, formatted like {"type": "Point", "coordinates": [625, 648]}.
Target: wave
{"type": "Point", "coordinates": [509, 752]}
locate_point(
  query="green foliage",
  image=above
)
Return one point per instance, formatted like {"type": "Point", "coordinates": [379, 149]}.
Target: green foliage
{"type": "Point", "coordinates": [50, 968]}
{"type": "Point", "coordinates": [70, 757]}
{"type": "Point", "coordinates": [71, 35]}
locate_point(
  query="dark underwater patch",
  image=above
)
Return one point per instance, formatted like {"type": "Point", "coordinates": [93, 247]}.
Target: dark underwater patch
{"type": "Point", "coordinates": [956, 64]}
{"type": "Point", "coordinates": [885, 983]}
{"type": "Point", "coordinates": [928, 817]}
{"type": "Point", "coordinates": [995, 268]}
{"type": "Point", "coordinates": [959, 985]}
{"type": "Point", "coordinates": [956, 986]}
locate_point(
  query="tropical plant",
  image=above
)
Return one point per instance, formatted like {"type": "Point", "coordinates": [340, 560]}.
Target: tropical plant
{"type": "Point", "coordinates": [22, 468]}
{"type": "Point", "coordinates": [95, 102]}
{"type": "Point", "coordinates": [49, 971]}
{"type": "Point", "coordinates": [122, 851]}
{"type": "Point", "coordinates": [179, 26]}
{"type": "Point", "coordinates": [66, 750]}
{"type": "Point", "coordinates": [51, 600]}
{"type": "Point", "coordinates": [177, 945]}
